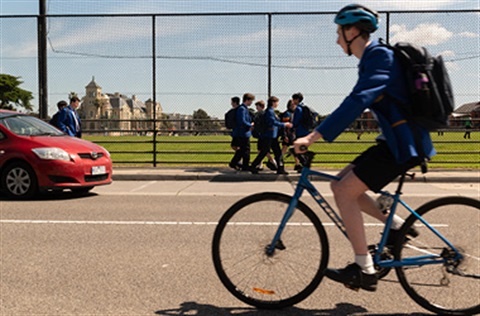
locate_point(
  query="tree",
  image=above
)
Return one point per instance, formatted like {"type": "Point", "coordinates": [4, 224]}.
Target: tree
{"type": "Point", "coordinates": [202, 121]}
{"type": "Point", "coordinates": [72, 94]}
{"type": "Point", "coordinates": [11, 94]}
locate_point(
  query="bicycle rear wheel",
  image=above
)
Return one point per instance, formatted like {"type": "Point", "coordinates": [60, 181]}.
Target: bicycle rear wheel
{"type": "Point", "coordinates": [274, 281]}
{"type": "Point", "coordinates": [450, 288]}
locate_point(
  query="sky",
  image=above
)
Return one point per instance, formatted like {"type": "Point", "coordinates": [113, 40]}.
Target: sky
{"type": "Point", "coordinates": [203, 60]}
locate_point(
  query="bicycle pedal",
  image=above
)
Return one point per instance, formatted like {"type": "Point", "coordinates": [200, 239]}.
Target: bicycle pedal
{"type": "Point", "coordinates": [356, 289]}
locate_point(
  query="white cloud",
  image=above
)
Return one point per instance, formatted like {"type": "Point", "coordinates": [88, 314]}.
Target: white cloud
{"type": "Point", "coordinates": [451, 66]}
{"type": "Point", "coordinates": [409, 5]}
{"type": "Point", "coordinates": [469, 34]}
{"type": "Point", "coordinates": [422, 34]}
{"type": "Point", "coordinates": [280, 34]}
{"type": "Point", "coordinates": [20, 50]}
{"type": "Point", "coordinates": [447, 53]}
{"type": "Point", "coordinates": [111, 30]}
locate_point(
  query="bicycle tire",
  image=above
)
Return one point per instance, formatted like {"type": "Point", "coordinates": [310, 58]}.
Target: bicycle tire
{"type": "Point", "coordinates": [239, 251]}
{"type": "Point", "coordinates": [432, 286]}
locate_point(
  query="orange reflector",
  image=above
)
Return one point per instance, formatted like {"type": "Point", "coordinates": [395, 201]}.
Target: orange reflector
{"type": "Point", "coordinates": [262, 291]}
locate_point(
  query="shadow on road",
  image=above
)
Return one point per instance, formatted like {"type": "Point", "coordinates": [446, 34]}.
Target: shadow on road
{"type": "Point", "coordinates": [342, 309]}
{"type": "Point", "coordinates": [51, 196]}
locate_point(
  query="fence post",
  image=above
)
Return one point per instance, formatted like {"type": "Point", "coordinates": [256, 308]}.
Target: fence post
{"type": "Point", "coordinates": [154, 90]}
{"type": "Point", "coordinates": [269, 75]}
{"type": "Point", "coordinates": [42, 61]}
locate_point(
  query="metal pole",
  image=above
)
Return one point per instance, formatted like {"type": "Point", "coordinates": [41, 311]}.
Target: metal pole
{"type": "Point", "coordinates": [388, 28]}
{"type": "Point", "coordinates": [42, 61]}
{"type": "Point", "coordinates": [154, 91]}
{"type": "Point", "coordinates": [269, 55]}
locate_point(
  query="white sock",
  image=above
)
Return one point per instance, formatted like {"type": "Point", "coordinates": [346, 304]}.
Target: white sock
{"type": "Point", "coordinates": [397, 222]}
{"type": "Point", "coordinates": [366, 263]}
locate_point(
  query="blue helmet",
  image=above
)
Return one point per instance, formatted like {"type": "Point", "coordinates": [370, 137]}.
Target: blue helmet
{"type": "Point", "coordinates": [363, 18]}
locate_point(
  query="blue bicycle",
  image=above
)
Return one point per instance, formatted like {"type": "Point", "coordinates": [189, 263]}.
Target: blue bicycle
{"type": "Point", "coordinates": [270, 249]}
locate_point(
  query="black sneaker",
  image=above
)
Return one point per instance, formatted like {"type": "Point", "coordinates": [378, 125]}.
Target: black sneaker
{"type": "Point", "coordinates": [393, 236]}
{"type": "Point", "coordinates": [353, 278]}
{"type": "Point", "coordinates": [270, 165]}
{"type": "Point", "coordinates": [235, 167]}
{"type": "Point", "coordinates": [254, 170]}
{"type": "Point", "coordinates": [282, 171]}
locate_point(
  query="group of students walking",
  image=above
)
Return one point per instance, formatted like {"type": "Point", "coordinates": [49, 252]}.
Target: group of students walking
{"type": "Point", "coordinates": [268, 128]}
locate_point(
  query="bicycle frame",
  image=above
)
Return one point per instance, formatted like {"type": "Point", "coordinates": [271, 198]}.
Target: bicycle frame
{"type": "Point", "coordinates": [305, 184]}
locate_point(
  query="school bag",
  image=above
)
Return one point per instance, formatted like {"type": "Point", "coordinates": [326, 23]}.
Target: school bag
{"type": "Point", "coordinates": [260, 124]}
{"type": "Point", "coordinates": [231, 118]}
{"type": "Point", "coordinates": [428, 84]}
{"type": "Point", "coordinates": [309, 118]}
{"type": "Point", "coordinates": [54, 120]}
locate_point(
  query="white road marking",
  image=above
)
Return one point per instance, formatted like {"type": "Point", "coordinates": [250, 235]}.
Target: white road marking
{"type": "Point", "coordinates": [170, 223]}
{"type": "Point", "coordinates": [79, 222]}
{"type": "Point", "coordinates": [143, 186]}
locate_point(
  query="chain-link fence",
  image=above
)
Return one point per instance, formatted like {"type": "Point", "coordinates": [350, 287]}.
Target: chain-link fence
{"type": "Point", "coordinates": [154, 87]}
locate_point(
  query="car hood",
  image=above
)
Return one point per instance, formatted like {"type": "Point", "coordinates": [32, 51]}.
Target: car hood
{"type": "Point", "coordinates": [67, 143]}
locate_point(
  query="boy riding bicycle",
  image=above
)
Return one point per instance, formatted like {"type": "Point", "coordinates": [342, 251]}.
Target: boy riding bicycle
{"type": "Point", "coordinates": [379, 75]}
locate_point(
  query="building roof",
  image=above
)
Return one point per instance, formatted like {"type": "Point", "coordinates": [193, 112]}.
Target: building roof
{"type": "Point", "coordinates": [117, 102]}
{"type": "Point", "coordinates": [93, 84]}
{"type": "Point", "coordinates": [468, 108]}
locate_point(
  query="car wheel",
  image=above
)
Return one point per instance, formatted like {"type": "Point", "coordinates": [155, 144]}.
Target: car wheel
{"type": "Point", "coordinates": [19, 180]}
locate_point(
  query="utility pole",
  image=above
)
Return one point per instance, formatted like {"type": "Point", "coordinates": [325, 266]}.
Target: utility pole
{"type": "Point", "coordinates": [42, 61]}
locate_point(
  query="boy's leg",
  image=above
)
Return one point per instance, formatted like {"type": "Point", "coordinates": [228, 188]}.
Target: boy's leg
{"type": "Point", "coordinates": [361, 274]}
{"type": "Point", "coordinates": [278, 156]}
{"type": "Point", "coordinates": [346, 193]}
{"type": "Point", "coordinates": [265, 148]}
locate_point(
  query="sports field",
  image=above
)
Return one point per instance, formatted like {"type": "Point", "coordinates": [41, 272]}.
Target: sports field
{"type": "Point", "coordinates": [206, 150]}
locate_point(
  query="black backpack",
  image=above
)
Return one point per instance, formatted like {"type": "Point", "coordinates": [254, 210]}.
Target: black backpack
{"type": "Point", "coordinates": [54, 120]}
{"type": "Point", "coordinates": [231, 118]}
{"type": "Point", "coordinates": [309, 118]}
{"type": "Point", "coordinates": [260, 124]}
{"type": "Point", "coordinates": [429, 86]}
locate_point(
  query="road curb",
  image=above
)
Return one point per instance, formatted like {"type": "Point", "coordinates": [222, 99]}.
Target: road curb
{"type": "Point", "coordinates": [181, 175]}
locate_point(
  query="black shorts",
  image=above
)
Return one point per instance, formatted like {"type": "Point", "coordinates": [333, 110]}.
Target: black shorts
{"type": "Point", "coordinates": [288, 138]}
{"type": "Point", "coordinates": [377, 167]}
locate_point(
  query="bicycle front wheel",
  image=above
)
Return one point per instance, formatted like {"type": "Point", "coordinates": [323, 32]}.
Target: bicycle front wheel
{"type": "Point", "coordinates": [452, 287]}
{"type": "Point", "coordinates": [283, 278]}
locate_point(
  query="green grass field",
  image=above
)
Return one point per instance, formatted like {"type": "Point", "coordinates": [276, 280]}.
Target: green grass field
{"type": "Point", "coordinates": [453, 150]}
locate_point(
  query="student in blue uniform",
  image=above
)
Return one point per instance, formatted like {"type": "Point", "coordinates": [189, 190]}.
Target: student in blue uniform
{"type": "Point", "coordinates": [270, 137]}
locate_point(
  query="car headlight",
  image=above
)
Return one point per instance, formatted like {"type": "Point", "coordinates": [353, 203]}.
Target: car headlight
{"type": "Point", "coordinates": [51, 153]}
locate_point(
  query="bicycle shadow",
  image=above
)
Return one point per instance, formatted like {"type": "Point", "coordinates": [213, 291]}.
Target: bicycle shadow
{"type": "Point", "coordinates": [341, 309]}
{"type": "Point", "coordinates": [52, 196]}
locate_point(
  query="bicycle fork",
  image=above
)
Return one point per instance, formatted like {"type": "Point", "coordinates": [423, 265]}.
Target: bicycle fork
{"type": "Point", "coordinates": [303, 185]}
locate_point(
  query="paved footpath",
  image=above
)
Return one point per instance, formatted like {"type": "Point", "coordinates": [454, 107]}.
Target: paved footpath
{"type": "Point", "coordinates": [229, 175]}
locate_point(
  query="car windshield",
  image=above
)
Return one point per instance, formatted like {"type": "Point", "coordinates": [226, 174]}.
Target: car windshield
{"type": "Point", "coordinates": [25, 125]}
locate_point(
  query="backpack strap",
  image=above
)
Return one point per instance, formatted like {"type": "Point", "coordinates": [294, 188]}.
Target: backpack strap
{"type": "Point", "coordinates": [413, 127]}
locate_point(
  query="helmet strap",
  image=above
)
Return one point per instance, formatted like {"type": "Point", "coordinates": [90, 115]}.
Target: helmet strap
{"type": "Point", "coordinates": [349, 50]}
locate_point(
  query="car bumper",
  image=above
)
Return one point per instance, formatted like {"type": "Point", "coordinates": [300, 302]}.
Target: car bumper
{"type": "Point", "coordinates": [73, 174]}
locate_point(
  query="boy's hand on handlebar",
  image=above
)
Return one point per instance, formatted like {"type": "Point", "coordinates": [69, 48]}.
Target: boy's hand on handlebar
{"type": "Point", "coordinates": [301, 145]}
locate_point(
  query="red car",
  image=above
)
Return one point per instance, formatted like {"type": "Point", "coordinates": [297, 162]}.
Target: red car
{"type": "Point", "coordinates": [35, 156]}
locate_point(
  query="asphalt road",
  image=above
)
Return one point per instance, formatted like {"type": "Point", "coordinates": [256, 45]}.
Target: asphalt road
{"type": "Point", "coordinates": [143, 248]}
